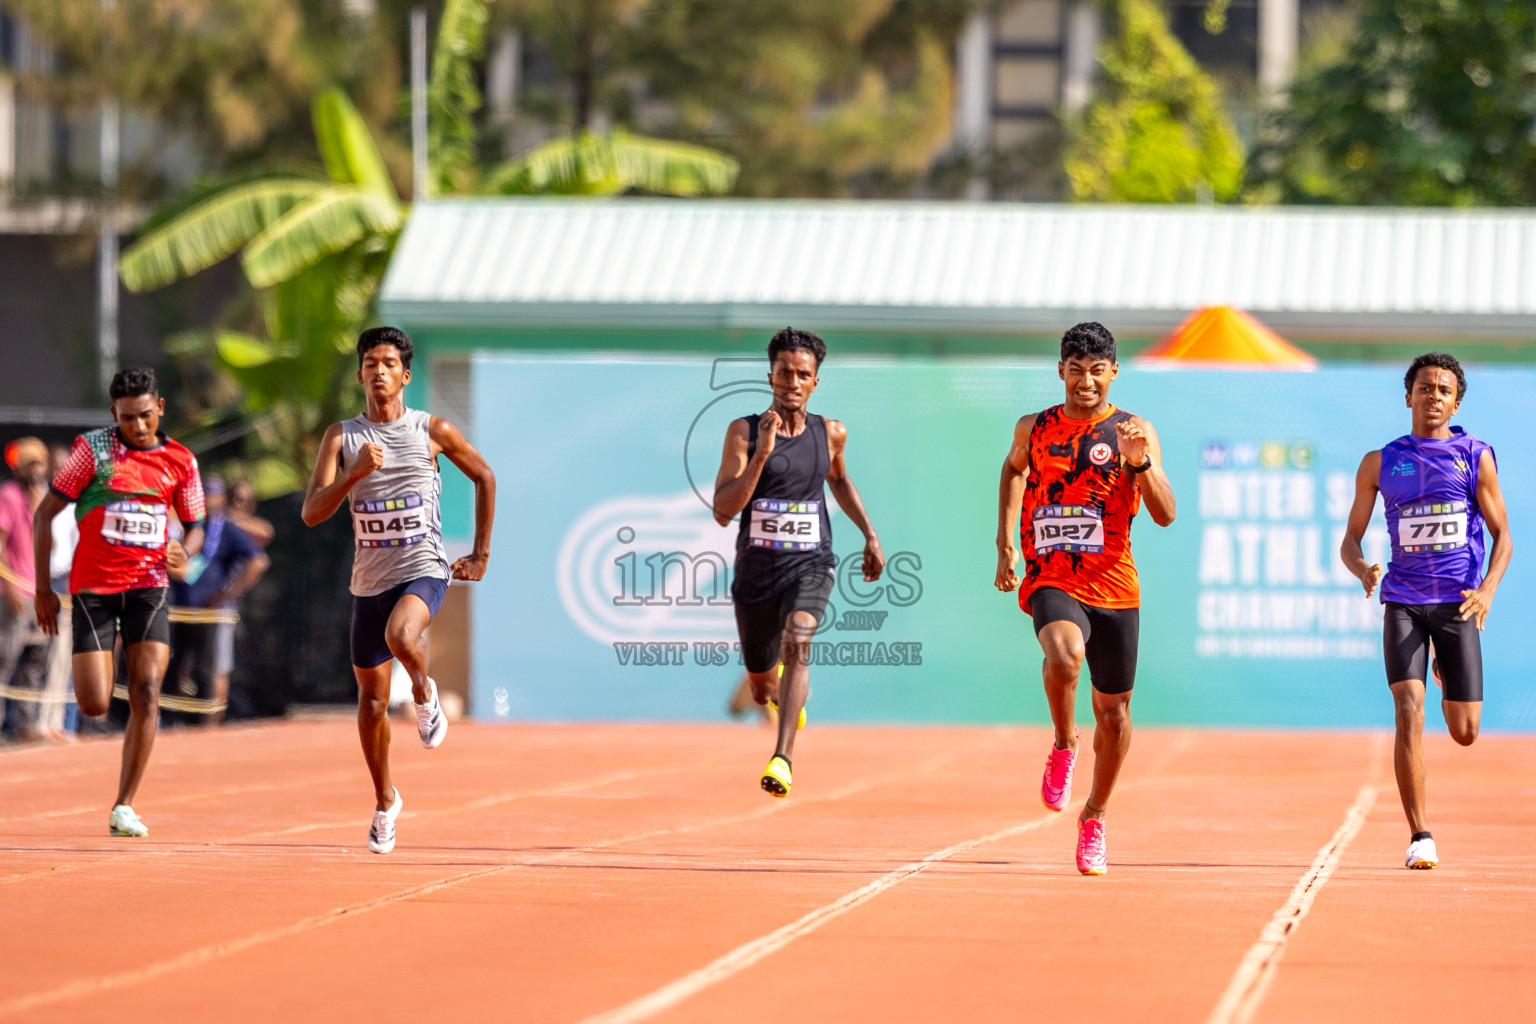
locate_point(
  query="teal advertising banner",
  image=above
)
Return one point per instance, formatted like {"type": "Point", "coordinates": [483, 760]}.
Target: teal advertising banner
{"type": "Point", "coordinates": [608, 596]}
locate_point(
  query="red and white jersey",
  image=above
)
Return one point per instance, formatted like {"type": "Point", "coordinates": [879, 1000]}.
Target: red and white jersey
{"type": "Point", "coordinates": [123, 498]}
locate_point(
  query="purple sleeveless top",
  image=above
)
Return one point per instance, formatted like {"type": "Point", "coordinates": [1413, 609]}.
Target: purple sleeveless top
{"type": "Point", "coordinates": [1429, 488]}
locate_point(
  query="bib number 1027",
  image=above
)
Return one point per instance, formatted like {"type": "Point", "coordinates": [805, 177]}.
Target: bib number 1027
{"type": "Point", "coordinates": [1073, 528]}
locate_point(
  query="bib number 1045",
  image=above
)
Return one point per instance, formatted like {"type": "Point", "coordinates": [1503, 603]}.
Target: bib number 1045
{"type": "Point", "coordinates": [1073, 528]}
{"type": "Point", "coordinates": [390, 523]}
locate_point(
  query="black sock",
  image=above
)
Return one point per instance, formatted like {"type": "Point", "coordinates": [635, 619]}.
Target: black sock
{"type": "Point", "coordinates": [1420, 835]}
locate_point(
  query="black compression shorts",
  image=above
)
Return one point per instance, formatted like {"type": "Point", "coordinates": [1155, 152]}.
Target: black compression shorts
{"type": "Point", "coordinates": [1110, 635]}
{"type": "Point", "coordinates": [1410, 629]}
{"type": "Point", "coordinates": [142, 615]}
{"type": "Point", "coordinates": [761, 625]}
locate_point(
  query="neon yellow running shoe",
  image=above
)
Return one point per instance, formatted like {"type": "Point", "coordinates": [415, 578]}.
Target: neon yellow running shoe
{"type": "Point", "coordinates": [798, 725]}
{"type": "Point", "coordinates": [776, 777]}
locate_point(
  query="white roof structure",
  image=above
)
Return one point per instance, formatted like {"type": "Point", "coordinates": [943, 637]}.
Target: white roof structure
{"type": "Point", "coordinates": [986, 268]}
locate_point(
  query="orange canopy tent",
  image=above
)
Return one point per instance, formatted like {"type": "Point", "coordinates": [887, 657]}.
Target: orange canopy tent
{"type": "Point", "coordinates": [1223, 336]}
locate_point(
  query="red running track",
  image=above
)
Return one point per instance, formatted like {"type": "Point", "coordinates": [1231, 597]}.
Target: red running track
{"type": "Point", "coordinates": [630, 872]}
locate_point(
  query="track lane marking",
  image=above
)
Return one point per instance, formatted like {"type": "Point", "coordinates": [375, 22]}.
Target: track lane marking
{"type": "Point", "coordinates": [219, 950]}
{"type": "Point", "coordinates": [749, 953]}
{"type": "Point", "coordinates": [1257, 970]}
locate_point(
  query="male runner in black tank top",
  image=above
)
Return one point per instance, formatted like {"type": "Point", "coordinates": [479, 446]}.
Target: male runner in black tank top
{"type": "Point", "coordinates": [772, 474]}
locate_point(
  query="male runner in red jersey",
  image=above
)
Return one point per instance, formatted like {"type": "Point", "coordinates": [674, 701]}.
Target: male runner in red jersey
{"type": "Point", "coordinates": [124, 480]}
{"type": "Point", "coordinates": [1089, 466]}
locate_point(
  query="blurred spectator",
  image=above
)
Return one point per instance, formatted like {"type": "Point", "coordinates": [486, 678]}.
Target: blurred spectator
{"type": "Point", "coordinates": [23, 647]}
{"type": "Point", "coordinates": [230, 564]}
{"type": "Point", "coordinates": [58, 707]}
{"type": "Point", "coordinates": [242, 512]}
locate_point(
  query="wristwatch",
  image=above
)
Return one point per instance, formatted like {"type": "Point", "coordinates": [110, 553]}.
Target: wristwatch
{"type": "Point", "coordinates": [1143, 467]}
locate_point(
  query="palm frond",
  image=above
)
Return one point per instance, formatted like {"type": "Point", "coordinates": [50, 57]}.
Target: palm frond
{"type": "Point", "coordinates": [672, 168]}
{"type": "Point", "coordinates": [327, 223]}
{"type": "Point", "coordinates": [244, 351]}
{"type": "Point", "coordinates": [452, 95]}
{"type": "Point", "coordinates": [609, 164]}
{"type": "Point", "coordinates": [346, 145]}
{"type": "Point", "coordinates": [208, 232]}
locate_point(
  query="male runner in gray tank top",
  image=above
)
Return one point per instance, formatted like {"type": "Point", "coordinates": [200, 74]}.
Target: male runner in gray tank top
{"type": "Point", "coordinates": [772, 473]}
{"type": "Point", "coordinates": [384, 464]}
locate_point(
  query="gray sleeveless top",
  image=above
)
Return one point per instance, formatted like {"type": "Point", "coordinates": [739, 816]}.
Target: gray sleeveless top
{"type": "Point", "coordinates": [395, 516]}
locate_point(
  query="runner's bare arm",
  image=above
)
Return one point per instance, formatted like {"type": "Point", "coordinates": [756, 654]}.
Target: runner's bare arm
{"type": "Point", "coordinates": [1359, 519]}
{"type": "Point", "coordinates": [258, 529]}
{"type": "Point", "coordinates": [328, 490]}
{"type": "Point", "coordinates": [45, 602]}
{"type": "Point", "coordinates": [1490, 500]}
{"type": "Point", "coordinates": [1010, 498]}
{"type": "Point", "coordinates": [450, 441]}
{"type": "Point", "coordinates": [847, 495]}
{"type": "Point", "coordinates": [738, 475]}
{"type": "Point", "coordinates": [1138, 443]}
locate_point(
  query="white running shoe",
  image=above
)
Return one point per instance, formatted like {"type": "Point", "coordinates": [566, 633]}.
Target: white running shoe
{"type": "Point", "coordinates": [381, 837]}
{"type": "Point", "coordinates": [125, 823]}
{"type": "Point", "coordinates": [431, 723]}
{"type": "Point", "coordinates": [1422, 854]}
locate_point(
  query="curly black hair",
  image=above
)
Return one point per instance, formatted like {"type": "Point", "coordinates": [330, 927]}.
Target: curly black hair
{"type": "Point", "coordinates": [1088, 340]}
{"type": "Point", "coordinates": [1440, 360]}
{"type": "Point", "coordinates": [373, 337]}
{"type": "Point", "coordinates": [790, 338]}
{"type": "Point", "coordinates": [132, 383]}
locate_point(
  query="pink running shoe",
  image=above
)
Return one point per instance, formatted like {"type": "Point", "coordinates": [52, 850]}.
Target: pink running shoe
{"type": "Point", "coordinates": [1056, 785]}
{"type": "Point", "coordinates": [1092, 859]}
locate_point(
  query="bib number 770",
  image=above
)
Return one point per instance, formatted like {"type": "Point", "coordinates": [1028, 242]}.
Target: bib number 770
{"type": "Point", "coordinates": [1439, 526]}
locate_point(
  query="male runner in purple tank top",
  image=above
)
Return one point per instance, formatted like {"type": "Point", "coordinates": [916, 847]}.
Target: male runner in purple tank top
{"type": "Point", "coordinates": [1440, 486]}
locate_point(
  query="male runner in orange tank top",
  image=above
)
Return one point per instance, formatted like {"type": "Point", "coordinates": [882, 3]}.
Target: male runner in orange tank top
{"type": "Point", "coordinates": [1088, 466]}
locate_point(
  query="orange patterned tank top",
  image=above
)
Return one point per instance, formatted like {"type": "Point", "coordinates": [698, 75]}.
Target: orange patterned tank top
{"type": "Point", "coordinates": [1078, 507]}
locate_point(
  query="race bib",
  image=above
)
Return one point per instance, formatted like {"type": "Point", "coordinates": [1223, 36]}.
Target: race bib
{"type": "Point", "coordinates": [134, 524]}
{"type": "Point", "coordinates": [1436, 527]}
{"type": "Point", "coordinates": [389, 523]}
{"type": "Point", "coordinates": [1074, 528]}
{"type": "Point", "coordinates": [785, 525]}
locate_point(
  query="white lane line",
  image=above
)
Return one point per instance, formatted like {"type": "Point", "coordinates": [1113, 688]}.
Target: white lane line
{"type": "Point", "coordinates": [1254, 974]}
{"type": "Point", "coordinates": [746, 955]}
{"type": "Point", "coordinates": [215, 951]}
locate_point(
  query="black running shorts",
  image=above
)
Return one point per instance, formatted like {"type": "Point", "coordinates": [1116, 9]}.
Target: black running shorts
{"type": "Point", "coordinates": [761, 625]}
{"type": "Point", "coordinates": [1109, 634]}
{"type": "Point", "coordinates": [142, 616]}
{"type": "Point", "coordinates": [1410, 629]}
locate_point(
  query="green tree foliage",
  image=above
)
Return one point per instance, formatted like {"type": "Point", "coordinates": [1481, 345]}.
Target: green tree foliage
{"type": "Point", "coordinates": [813, 97]}
{"type": "Point", "coordinates": [317, 245]}
{"type": "Point", "coordinates": [1433, 102]}
{"type": "Point", "coordinates": [230, 82]}
{"type": "Point", "coordinates": [1156, 132]}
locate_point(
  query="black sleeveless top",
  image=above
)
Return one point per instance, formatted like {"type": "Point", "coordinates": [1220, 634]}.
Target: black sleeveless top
{"type": "Point", "coordinates": [789, 499]}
